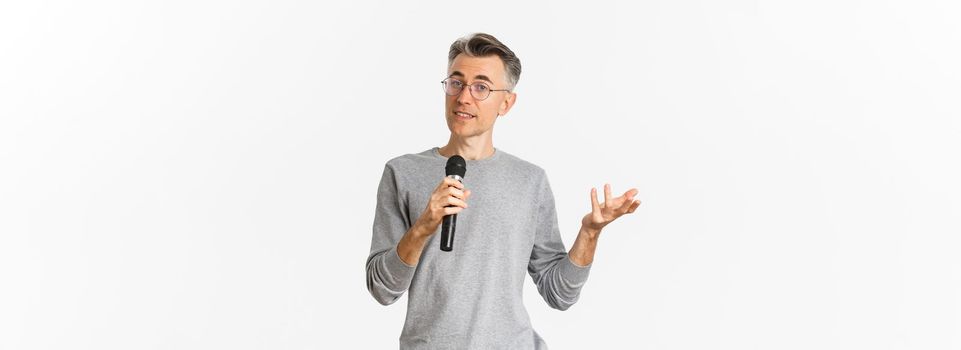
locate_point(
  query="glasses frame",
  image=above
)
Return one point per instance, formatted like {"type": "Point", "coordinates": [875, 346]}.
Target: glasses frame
{"type": "Point", "coordinates": [471, 89]}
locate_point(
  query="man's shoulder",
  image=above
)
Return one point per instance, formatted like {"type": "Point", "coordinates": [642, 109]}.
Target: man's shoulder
{"type": "Point", "coordinates": [410, 160]}
{"type": "Point", "coordinates": [521, 165]}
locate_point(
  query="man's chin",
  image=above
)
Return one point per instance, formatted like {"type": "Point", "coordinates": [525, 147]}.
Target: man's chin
{"type": "Point", "coordinates": [461, 132]}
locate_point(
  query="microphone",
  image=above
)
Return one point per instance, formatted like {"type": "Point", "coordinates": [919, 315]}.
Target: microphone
{"type": "Point", "coordinates": [456, 169]}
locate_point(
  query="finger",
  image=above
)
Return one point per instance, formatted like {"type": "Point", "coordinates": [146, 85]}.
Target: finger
{"type": "Point", "coordinates": [451, 182]}
{"type": "Point", "coordinates": [456, 202]}
{"type": "Point", "coordinates": [443, 184]}
{"type": "Point", "coordinates": [628, 202]}
{"type": "Point", "coordinates": [622, 200]}
{"type": "Point", "coordinates": [455, 192]}
{"type": "Point", "coordinates": [633, 207]}
{"type": "Point", "coordinates": [607, 195]}
{"type": "Point", "coordinates": [467, 194]}
{"type": "Point", "coordinates": [452, 210]}
{"type": "Point", "coordinates": [595, 207]}
{"type": "Point", "coordinates": [627, 198]}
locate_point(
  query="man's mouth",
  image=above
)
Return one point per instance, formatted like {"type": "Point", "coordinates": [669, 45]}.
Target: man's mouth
{"type": "Point", "coordinates": [465, 116]}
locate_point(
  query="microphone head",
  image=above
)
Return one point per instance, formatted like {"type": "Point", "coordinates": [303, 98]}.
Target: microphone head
{"type": "Point", "coordinates": [456, 165]}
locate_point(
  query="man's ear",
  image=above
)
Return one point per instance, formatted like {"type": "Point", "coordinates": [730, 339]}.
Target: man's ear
{"type": "Point", "coordinates": [507, 104]}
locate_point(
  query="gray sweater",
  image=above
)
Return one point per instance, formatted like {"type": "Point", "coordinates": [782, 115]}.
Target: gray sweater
{"type": "Point", "coordinates": [471, 297]}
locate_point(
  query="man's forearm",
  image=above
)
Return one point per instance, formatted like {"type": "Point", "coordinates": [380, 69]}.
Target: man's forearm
{"type": "Point", "coordinates": [412, 245]}
{"type": "Point", "coordinates": [582, 253]}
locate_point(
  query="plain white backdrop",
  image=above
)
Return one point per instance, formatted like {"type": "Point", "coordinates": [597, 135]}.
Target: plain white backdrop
{"type": "Point", "coordinates": [202, 174]}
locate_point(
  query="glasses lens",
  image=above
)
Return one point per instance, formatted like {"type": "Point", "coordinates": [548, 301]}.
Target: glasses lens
{"type": "Point", "coordinates": [480, 91]}
{"type": "Point", "coordinates": [452, 86]}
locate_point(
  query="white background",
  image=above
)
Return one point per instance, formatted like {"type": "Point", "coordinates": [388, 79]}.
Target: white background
{"type": "Point", "coordinates": [202, 174]}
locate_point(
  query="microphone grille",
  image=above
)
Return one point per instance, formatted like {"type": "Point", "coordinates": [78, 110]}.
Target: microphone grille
{"type": "Point", "coordinates": [456, 165]}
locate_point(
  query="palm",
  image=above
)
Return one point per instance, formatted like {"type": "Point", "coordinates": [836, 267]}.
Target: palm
{"type": "Point", "coordinates": [612, 208]}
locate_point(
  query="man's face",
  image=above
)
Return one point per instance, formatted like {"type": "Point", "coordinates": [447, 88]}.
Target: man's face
{"type": "Point", "coordinates": [466, 115]}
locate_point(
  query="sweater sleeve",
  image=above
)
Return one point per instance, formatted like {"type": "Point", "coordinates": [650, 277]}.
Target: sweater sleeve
{"type": "Point", "coordinates": [388, 277]}
{"type": "Point", "coordinates": [558, 280]}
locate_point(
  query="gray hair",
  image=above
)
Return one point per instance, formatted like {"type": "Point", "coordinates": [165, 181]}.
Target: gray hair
{"type": "Point", "coordinates": [482, 44]}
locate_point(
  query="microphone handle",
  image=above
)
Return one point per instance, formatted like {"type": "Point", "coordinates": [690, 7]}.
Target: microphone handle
{"type": "Point", "coordinates": [447, 228]}
{"type": "Point", "coordinates": [447, 233]}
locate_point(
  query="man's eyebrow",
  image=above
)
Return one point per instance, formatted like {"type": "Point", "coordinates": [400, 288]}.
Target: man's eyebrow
{"type": "Point", "coordinates": [484, 78]}
{"type": "Point", "coordinates": [476, 77]}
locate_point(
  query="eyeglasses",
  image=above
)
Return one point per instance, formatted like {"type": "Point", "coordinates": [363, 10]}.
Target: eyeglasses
{"type": "Point", "coordinates": [480, 91]}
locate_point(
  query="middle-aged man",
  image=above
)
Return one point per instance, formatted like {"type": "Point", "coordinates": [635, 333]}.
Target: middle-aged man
{"type": "Point", "coordinates": [471, 297]}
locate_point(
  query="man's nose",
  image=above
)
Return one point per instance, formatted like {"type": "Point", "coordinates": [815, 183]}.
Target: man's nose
{"type": "Point", "coordinates": [465, 97]}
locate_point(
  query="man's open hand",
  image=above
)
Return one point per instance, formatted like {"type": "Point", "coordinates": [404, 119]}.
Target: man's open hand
{"type": "Point", "coordinates": [612, 208]}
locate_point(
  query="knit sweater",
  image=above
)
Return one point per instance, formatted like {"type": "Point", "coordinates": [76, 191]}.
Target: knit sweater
{"type": "Point", "coordinates": [471, 297]}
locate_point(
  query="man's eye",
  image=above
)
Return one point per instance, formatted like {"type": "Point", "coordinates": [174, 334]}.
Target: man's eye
{"type": "Point", "coordinates": [456, 84]}
{"type": "Point", "coordinates": [480, 88]}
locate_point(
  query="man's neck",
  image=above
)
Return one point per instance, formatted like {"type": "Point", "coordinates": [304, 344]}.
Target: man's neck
{"type": "Point", "coordinates": [469, 149]}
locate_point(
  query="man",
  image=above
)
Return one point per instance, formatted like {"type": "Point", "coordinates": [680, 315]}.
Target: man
{"type": "Point", "coordinates": [471, 297]}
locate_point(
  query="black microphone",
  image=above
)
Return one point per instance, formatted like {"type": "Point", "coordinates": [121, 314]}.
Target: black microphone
{"type": "Point", "coordinates": [456, 169]}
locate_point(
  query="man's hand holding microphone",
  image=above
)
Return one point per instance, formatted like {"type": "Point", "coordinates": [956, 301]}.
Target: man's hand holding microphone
{"type": "Point", "coordinates": [448, 199]}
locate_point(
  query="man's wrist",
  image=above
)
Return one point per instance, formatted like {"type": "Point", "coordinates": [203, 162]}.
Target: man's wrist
{"type": "Point", "coordinates": [590, 233]}
{"type": "Point", "coordinates": [411, 245]}
{"type": "Point", "coordinates": [417, 233]}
